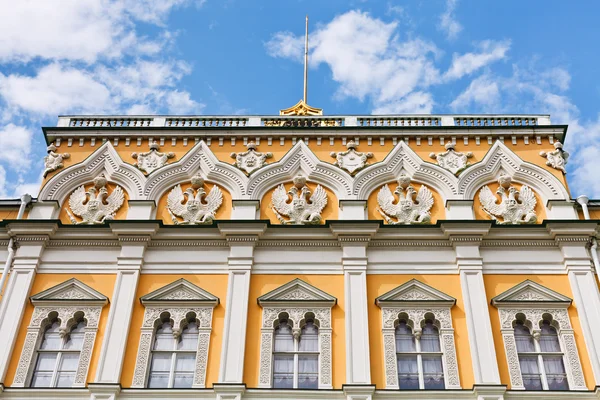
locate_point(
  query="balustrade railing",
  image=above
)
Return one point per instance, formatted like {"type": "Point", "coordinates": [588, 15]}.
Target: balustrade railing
{"type": "Point", "coordinates": [110, 121]}
{"type": "Point", "coordinates": [399, 121]}
{"type": "Point", "coordinates": [206, 121]}
{"type": "Point", "coordinates": [495, 121]}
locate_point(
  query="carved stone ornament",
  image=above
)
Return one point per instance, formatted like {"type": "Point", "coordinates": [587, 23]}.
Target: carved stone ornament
{"type": "Point", "coordinates": [53, 160]}
{"type": "Point", "coordinates": [189, 204]}
{"type": "Point", "coordinates": [406, 210]}
{"type": "Point", "coordinates": [557, 158]}
{"type": "Point", "coordinates": [515, 207]}
{"type": "Point", "coordinates": [351, 160]}
{"type": "Point", "coordinates": [250, 160]}
{"type": "Point", "coordinates": [151, 160]}
{"type": "Point", "coordinates": [95, 205]}
{"type": "Point", "coordinates": [301, 210]}
{"type": "Point", "coordinates": [452, 160]}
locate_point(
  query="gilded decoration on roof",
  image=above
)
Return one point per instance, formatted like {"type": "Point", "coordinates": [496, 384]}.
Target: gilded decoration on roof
{"type": "Point", "coordinates": [193, 205]}
{"type": "Point", "coordinates": [95, 205]}
{"type": "Point", "coordinates": [351, 160]}
{"type": "Point", "coordinates": [250, 160]}
{"type": "Point", "coordinates": [300, 210]}
{"type": "Point", "coordinates": [451, 159]}
{"type": "Point", "coordinates": [151, 160]}
{"type": "Point", "coordinates": [515, 207]}
{"type": "Point", "coordinates": [406, 211]}
{"type": "Point", "coordinates": [557, 158]}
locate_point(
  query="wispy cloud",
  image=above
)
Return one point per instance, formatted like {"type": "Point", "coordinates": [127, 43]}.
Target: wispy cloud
{"type": "Point", "coordinates": [448, 23]}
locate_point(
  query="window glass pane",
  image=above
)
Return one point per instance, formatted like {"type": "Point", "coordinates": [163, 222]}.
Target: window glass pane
{"type": "Point", "coordinates": [41, 379]}
{"type": "Point", "coordinates": [69, 362]}
{"type": "Point", "coordinates": [46, 362]}
{"type": "Point", "coordinates": [530, 372]}
{"type": "Point", "coordinates": [284, 341]}
{"type": "Point", "coordinates": [430, 338]}
{"type": "Point", "coordinates": [75, 339]}
{"type": "Point", "coordinates": [308, 371]}
{"type": "Point", "coordinates": [283, 371]}
{"type": "Point", "coordinates": [408, 373]}
{"type": "Point", "coordinates": [405, 341]}
{"type": "Point", "coordinates": [555, 373]}
{"type": "Point", "coordinates": [158, 380]}
{"type": "Point", "coordinates": [549, 339]}
{"type": "Point", "coordinates": [161, 362]}
{"type": "Point", "coordinates": [164, 337]}
{"type": "Point", "coordinates": [433, 372]}
{"type": "Point", "coordinates": [189, 337]}
{"type": "Point", "coordinates": [309, 338]}
{"type": "Point", "coordinates": [183, 380]}
{"type": "Point", "coordinates": [52, 339]}
{"type": "Point", "coordinates": [523, 338]}
{"type": "Point", "coordinates": [185, 362]}
{"type": "Point", "coordinates": [65, 379]}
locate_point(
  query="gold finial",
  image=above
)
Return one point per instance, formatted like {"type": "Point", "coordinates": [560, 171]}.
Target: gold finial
{"type": "Point", "coordinates": [302, 107]}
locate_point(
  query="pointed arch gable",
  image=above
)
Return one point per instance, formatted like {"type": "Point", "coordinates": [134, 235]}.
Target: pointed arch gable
{"type": "Point", "coordinates": [104, 160]}
{"type": "Point", "coordinates": [403, 158]}
{"type": "Point", "coordinates": [300, 159]}
{"type": "Point", "coordinates": [200, 157]}
{"type": "Point", "coordinates": [500, 157]}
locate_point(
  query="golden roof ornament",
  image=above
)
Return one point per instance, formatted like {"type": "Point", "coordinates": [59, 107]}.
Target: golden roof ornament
{"type": "Point", "coordinates": [302, 108]}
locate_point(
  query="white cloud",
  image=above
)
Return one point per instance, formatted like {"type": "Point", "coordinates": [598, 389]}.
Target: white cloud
{"type": "Point", "coordinates": [180, 103]}
{"type": "Point", "coordinates": [286, 45]}
{"type": "Point", "coordinates": [483, 92]}
{"type": "Point", "coordinates": [448, 23]}
{"type": "Point", "coordinates": [465, 64]}
{"type": "Point", "coordinates": [414, 103]}
{"type": "Point", "coordinates": [3, 183]}
{"type": "Point", "coordinates": [16, 144]}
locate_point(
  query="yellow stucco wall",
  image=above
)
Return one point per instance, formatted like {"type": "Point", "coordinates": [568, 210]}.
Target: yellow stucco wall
{"type": "Point", "coordinates": [497, 284]}
{"type": "Point", "coordinates": [214, 284]}
{"type": "Point", "coordinates": [449, 284]}
{"type": "Point", "coordinates": [261, 284]}
{"type": "Point", "coordinates": [102, 283]}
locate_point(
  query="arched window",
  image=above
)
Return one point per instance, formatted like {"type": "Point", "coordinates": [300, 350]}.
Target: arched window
{"type": "Point", "coordinates": [173, 355]}
{"type": "Point", "coordinates": [296, 357]}
{"type": "Point", "coordinates": [58, 356]}
{"type": "Point", "coordinates": [419, 357]}
{"type": "Point", "coordinates": [540, 358]}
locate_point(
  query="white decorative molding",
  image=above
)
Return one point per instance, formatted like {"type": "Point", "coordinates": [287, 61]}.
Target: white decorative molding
{"type": "Point", "coordinates": [452, 160]}
{"type": "Point", "coordinates": [556, 158]}
{"type": "Point", "coordinates": [53, 160]}
{"type": "Point", "coordinates": [415, 291]}
{"type": "Point", "coordinates": [67, 303]}
{"type": "Point", "coordinates": [296, 299]}
{"type": "Point", "coordinates": [533, 303]}
{"type": "Point", "coordinates": [198, 208]}
{"type": "Point", "coordinates": [351, 160]}
{"type": "Point", "coordinates": [301, 210]}
{"type": "Point", "coordinates": [515, 207]}
{"type": "Point", "coordinates": [250, 160]}
{"type": "Point", "coordinates": [95, 206]}
{"type": "Point", "coordinates": [105, 160]}
{"type": "Point", "coordinates": [406, 211]}
{"type": "Point", "coordinates": [151, 160]}
{"type": "Point", "coordinates": [178, 299]}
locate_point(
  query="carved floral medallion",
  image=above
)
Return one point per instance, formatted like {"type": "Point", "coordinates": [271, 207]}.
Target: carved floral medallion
{"type": "Point", "coordinates": [557, 158]}
{"type": "Point", "coordinates": [250, 160]}
{"type": "Point", "coordinates": [151, 160]}
{"type": "Point", "coordinates": [54, 160]}
{"type": "Point", "coordinates": [351, 160]}
{"type": "Point", "coordinates": [451, 159]}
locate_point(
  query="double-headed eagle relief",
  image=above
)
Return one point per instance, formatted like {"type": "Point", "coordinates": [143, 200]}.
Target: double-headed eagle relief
{"type": "Point", "coordinates": [301, 210]}
{"type": "Point", "coordinates": [515, 207]}
{"type": "Point", "coordinates": [557, 158]}
{"type": "Point", "coordinates": [451, 159]}
{"type": "Point", "coordinates": [93, 206]}
{"type": "Point", "coordinates": [151, 160]}
{"type": "Point", "coordinates": [250, 160]}
{"type": "Point", "coordinates": [406, 211]}
{"type": "Point", "coordinates": [351, 160]}
{"type": "Point", "coordinates": [193, 206]}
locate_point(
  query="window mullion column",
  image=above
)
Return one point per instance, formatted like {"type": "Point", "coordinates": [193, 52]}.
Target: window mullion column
{"type": "Point", "coordinates": [54, 381]}
{"type": "Point", "coordinates": [540, 359]}
{"type": "Point", "coordinates": [296, 366]}
{"type": "Point", "coordinates": [419, 359]}
{"type": "Point", "coordinates": [173, 363]}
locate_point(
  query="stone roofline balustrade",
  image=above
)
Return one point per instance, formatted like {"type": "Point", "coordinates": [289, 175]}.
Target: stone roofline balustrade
{"type": "Point", "coordinates": [204, 121]}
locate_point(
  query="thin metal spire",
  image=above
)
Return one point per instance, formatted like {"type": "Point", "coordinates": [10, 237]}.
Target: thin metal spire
{"type": "Point", "coordinates": [306, 63]}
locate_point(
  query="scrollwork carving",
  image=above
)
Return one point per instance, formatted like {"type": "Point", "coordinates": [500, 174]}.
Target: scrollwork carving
{"type": "Point", "coordinates": [556, 158]}
{"type": "Point", "coordinates": [54, 160]}
{"type": "Point", "coordinates": [151, 160]}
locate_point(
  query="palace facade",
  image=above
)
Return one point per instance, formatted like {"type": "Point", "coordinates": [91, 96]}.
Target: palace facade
{"type": "Point", "coordinates": [301, 256]}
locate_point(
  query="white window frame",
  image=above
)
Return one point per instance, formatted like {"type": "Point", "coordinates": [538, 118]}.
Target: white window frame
{"type": "Point", "coordinates": [68, 302]}
{"type": "Point", "coordinates": [532, 303]}
{"type": "Point", "coordinates": [417, 302]}
{"type": "Point", "coordinates": [298, 300]}
{"type": "Point", "coordinates": [178, 299]}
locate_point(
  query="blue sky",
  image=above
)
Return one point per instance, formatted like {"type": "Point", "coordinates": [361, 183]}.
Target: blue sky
{"type": "Point", "coordinates": [234, 57]}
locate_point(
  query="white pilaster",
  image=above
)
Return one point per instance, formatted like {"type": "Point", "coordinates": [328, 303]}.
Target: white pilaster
{"type": "Point", "coordinates": [241, 239]}
{"type": "Point", "coordinates": [244, 209]}
{"type": "Point", "coordinates": [353, 209]}
{"type": "Point", "coordinates": [141, 209]}
{"type": "Point", "coordinates": [466, 241]}
{"type": "Point", "coordinates": [134, 240]}
{"type": "Point", "coordinates": [459, 209]}
{"type": "Point", "coordinates": [14, 299]}
{"type": "Point", "coordinates": [562, 209]}
{"type": "Point", "coordinates": [44, 210]}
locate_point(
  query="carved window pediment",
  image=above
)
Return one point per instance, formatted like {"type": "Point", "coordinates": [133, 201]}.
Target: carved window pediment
{"type": "Point", "coordinates": [415, 292]}
{"type": "Point", "coordinates": [532, 293]}
{"type": "Point", "coordinates": [297, 292]}
{"type": "Point", "coordinates": [69, 290]}
{"type": "Point", "coordinates": [180, 291]}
